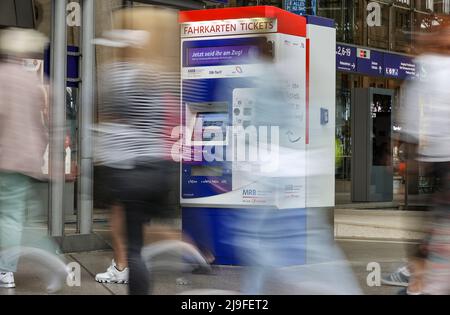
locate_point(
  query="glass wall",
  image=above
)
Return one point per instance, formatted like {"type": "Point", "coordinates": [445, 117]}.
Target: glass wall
{"type": "Point", "coordinates": [343, 137]}
{"type": "Point", "coordinates": [343, 123]}
{"type": "Point", "coordinates": [383, 24]}
{"type": "Point", "coordinates": [345, 13]}
{"type": "Point", "coordinates": [402, 35]}
{"type": "Point", "coordinates": [378, 35]}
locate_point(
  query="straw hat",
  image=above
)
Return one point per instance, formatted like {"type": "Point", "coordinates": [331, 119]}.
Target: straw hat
{"type": "Point", "coordinates": [22, 42]}
{"type": "Point", "coordinates": [121, 38]}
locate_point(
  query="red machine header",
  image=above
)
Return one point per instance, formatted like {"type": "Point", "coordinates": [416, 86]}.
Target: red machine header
{"type": "Point", "coordinates": [286, 22]}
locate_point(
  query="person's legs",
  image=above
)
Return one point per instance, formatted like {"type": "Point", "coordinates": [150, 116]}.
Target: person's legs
{"type": "Point", "coordinates": [13, 194]}
{"type": "Point", "coordinates": [418, 254]}
{"type": "Point", "coordinates": [118, 236]}
{"type": "Point", "coordinates": [108, 186]}
{"type": "Point", "coordinates": [416, 266]}
{"type": "Point", "coordinates": [139, 279]}
{"type": "Point", "coordinates": [437, 266]}
{"type": "Point", "coordinates": [117, 272]}
{"type": "Point", "coordinates": [143, 192]}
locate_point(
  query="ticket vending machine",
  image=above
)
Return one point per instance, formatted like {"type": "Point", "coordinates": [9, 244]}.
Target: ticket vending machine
{"type": "Point", "coordinates": [220, 49]}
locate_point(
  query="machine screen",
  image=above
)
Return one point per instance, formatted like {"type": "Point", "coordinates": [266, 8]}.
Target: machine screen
{"type": "Point", "coordinates": [213, 121]}
{"type": "Point", "coordinates": [206, 171]}
{"type": "Point", "coordinates": [222, 55]}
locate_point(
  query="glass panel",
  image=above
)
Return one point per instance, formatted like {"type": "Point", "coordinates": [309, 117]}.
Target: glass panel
{"type": "Point", "coordinates": [378, 36]}
{"type": "Point", "coordinates": [402, 30]}
{"type": "Point", "coordinates": [72, 132]}
{"type": "Point", "coordinates": [425, 5]}
{"type": "Point", "coordinates": [71, 159]}
{"type": "Point", "coordinates": [343, 128]}
{"type": "Point", "coordinates": [442, 6]}
{"type": "Point", "coordinates": [343, 138]}
{"type": "Point", "coordinates": [333, 9]}
{"type": "Point", "coordinates": [381, 171]}
{"type": "Point", "coordinates": [398, 148]}
{"type": "Point", "coordinates": [345, 13]}
{"type": "Point", "coordinates": [381, 130]}
{"type": "Point", "coordinates": [7, 13]}
{"type": "Point", "coordinates": [403, 3]}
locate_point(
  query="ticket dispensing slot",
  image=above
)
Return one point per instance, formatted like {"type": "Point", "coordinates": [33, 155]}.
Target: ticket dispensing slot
{"type": "Point", "coordinates": [206, 123]}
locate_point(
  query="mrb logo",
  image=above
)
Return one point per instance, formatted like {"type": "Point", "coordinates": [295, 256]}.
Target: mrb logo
{"type": "Point", "coordinates": [249, 192]}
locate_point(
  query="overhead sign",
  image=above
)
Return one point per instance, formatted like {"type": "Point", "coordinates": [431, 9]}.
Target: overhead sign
{"type": "Point", "coordinates": [295, 6]}
{"type": "Point", "coordinates": [345, 58]}
{"type": "Point", "coordinates": [229, 27]}
{"type": "Point", "coordinates": [375, 63]}
{"type": "Point", "coordinates": [399, 66]}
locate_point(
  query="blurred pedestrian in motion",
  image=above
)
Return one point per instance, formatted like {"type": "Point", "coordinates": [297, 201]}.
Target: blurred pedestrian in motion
{"type": "Point", "coordinates": [425, 121]}
{"type": "Point", "coordinates": [140, 106]}
{"type": "Point", "coordinates": [23, 138]}
{"type": "Point", "coordinates": [288, 250]}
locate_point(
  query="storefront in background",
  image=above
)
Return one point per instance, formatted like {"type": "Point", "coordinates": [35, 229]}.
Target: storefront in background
{"type": "Point", "coordinates": [374, 54]}
{"type": "Point", "coordinates": [380, 35]}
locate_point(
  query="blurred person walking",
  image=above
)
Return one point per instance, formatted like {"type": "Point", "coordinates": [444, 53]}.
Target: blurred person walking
{"type": "Point", "coordinates": [282, 256]}
{"type": "Point", "coordinates": [23, 137]}
{"type": "Point", "coordinates": [140, 93]}
{"type": "Point", "coordinates": [425, 120]}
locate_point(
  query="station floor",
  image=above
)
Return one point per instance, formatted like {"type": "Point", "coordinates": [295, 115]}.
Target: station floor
{"type": "Point", "coordinates": [359, 249]}
{"type": "Point", "coordinates": [389, 254]}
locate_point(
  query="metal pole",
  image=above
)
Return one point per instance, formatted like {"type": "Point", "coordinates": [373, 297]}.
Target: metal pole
{"type": "Point", "coordinates": [58, 117]}
{"type": "Point", "coordinates": [86, 117]}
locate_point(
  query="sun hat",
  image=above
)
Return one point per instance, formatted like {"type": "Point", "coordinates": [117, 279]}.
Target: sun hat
{"type": "Point", "coordinates": [121, 38]}
{"type": "Point", "coordinates": [22, 42]}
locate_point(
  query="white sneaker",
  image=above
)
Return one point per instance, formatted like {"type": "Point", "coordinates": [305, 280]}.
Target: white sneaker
{"type": "Point", "coordinates": [113, 275]}
{"type": "Point", "coordinates": [7, 280]}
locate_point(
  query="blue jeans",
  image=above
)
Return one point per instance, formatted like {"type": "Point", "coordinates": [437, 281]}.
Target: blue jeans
{"type": "Point", "coordinates": [13, 199]}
